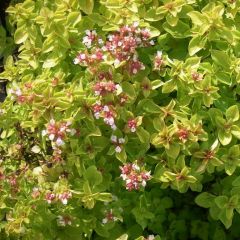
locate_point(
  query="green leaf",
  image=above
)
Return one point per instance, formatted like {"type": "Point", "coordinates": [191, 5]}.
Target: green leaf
{"type": "Point", "coordinates": [173, 151]}
{"type": "Point", "coordinates": [197, 18]}
{"type": "Point", "coordinates": [86, 6]}
{"type": "Point", "coordinates": [221, 59]}
{"type": "Point", "coordinates": [169, 86]}
{"type": "Point", "coordinates": [20, 35]}
{"type": "Point", "coordinates": [224, 137]}
{"type": "Point", "coordinates": [93, 176]}
{"type": "Point", "coordinates": [123, 237]}
{"type": "Point", "coordinates": [196, 44]}
{"type": "Point", "coordinates": [205, 199]}
{"type": "Point", "coordinates": [143, 135]}
{"type": "Point", "coordinates": [232, 113]}
{"type": "Point", "coordinates": [221, 201]}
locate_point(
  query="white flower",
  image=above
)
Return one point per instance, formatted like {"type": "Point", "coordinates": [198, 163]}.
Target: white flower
{"type": "Point", "coordinates": [52, 121]}
{"type": "Point", "coordinates": [114, 138]}
{"type": "Point", "coordinates": [51, 137]}
{"type": "Point", "coordinates": [118, 149]}
{"type": "Point", "coordinates": [136, 167]}
{"type": "Point", "coordinates": [73, 131]}
{"type": "Point", "coordinates": [159, 54]}
{"type": "Point", "coordinates": [88, 32]}
{"type": "Point", "coordinates": [114, 127]}
{"type": "Point", "coordinates": [76, 61]}
{"type": "Point", "coordinates": [152, 42]}
{"type": "Point", "coordinates": [104, 221]}
{"type": "Point", "coordinates": [136, 24]}
{"type": "Point", "coordinates": [135, 71]}
{"type": "Point", "coordinates": [97, 115]}
{"type": "Point", "coordinates": [151, 237]}
{"type": "Point", "coordinates": [18, 92]}
{"type": "Point", "coordinates": [44, 132]}
{"type": "Point", "coordinates": [59, 142]}
{"type": "Point", "coordinates": [64, 201]}
{"type": "Point", "coordinates": [116, 62]}
{"type": "Point", "coordinates": [100, 41]}
{"type": "Point", "coordinates": [121, 140]}
{"type": "Point", "coordinates": [133, 129]}
{"type": "Point", "coordinates": [143, 183]}
{"type": "Point", "coordinates": [106, 108]}
{"type": "Point", "coordinates": [123, 176]}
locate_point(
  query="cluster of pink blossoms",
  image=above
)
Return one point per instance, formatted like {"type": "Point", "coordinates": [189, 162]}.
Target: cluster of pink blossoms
{"type": "Point", "coordinates": [132, 125]}
{"type": "Point", "coordinates": [20, 96]}
{"type": "Point", "coordinates": [121, 46]}
{"type": "Point", "coordinates": [102, 88]}
{"type": "Point", "coordinates": [158, 61]}
{"type": "Point", "coordinates": [106, 112]}
{"type": "Point", "coordinates": [57, 131]}
{"type": "Point", "coordinates": [134, 176]}
{"type": "Point", "coordinates": [63, 197]}
{"type": "Point", "coordinates": [118, 142]}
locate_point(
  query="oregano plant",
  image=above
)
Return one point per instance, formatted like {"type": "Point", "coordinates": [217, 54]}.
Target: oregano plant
{"type": "Point", "coordinates": [121, 120]}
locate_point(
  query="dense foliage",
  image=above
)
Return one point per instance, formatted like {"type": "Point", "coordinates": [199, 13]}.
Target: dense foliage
{"type": "Point", "coordinates": [121, 120]}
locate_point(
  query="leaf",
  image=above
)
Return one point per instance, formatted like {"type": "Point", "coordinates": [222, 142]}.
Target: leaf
{"type": "Point", "coordinates": [93, 176]}
{"type": "Point", "coordinates": [74, 18]}
{"type": "Point", "coordinates": [236, 182]}
{"type": "Point", "coordinates": [232, 113]}
{"type": "Point", "coordinates": [204, 199]}
{"type": "Point", "coordinates": [196, 44]}
{"type": "Point", "coordinates": [150, 107]}
{"type": "Point", "coordinates": [221, 201]}
{"type": "Point", "coordinates": [20, 35]}
{"type": "Point", "coordinates": [104, 197]}
{"type": "Point", "coordinates": [173, 150]}
{"type": "Point", "coordinates": [221, 59]}
{"type": "Point", "coordinates": [224, 137]}
{"type": "Point", "coordinates": [123, 237]}
{"type": "Point", "coordinates": [143, 135]}
{"type": "Point", "coordinates": [169, 86]}
{"type": "Point", "coordinates": [86, 6]}
{"type": "Point", "coordinates": [197, 18]}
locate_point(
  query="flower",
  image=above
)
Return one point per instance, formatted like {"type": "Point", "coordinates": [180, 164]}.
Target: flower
{"type": "Point", "coordinates": [158, 61]}
{"type": "Point", "coordinates": [50, 197]}
{"type": "Point", "coordinates": [64, 197]}
{"type": "Point", "coordinates": [132, 124]}
{"type": "Point", "coordinates": [134, 176]}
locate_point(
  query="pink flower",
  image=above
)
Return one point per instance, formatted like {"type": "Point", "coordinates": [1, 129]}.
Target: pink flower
{"type": "Point", "coordinates": [158, 61]}
{"type": "Point", "coordinates": [132, 124]}
{"type": "Point", "coordinates": [134, 176]}
{"type": "Point", "coordinates": [63, 197]}
{"type": "Point", "coordinates": [50, 197]}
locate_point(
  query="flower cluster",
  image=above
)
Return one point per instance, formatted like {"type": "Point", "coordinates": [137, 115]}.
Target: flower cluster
{"type": "Point", "coordinates": [134, 176]}
{"type": "Point", "coordinates": [109, 217]}
{"type": "Point", "coordinates": [106, 112]}
{"type": "Point", "coordinates": [90, 38]}
{"type": "Point", "coordinates": [102, 88]}
{"type": "Point", "coordinates": [63, 197]}
{"type": "Point", "coordinates": [132, 125]}
{"type": "Point", "coordinates": [118, 142]}
{"type": "Point", "coordinates": [120, 46]}
{"type": "Point", "coordinates": [89, 58]}
{"type": "Point", "coordinates": [19, 96]}
{"type": "Point", "coordinates": [158, 61]}
{"type": "Point", "coordinates": [57, 131]}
